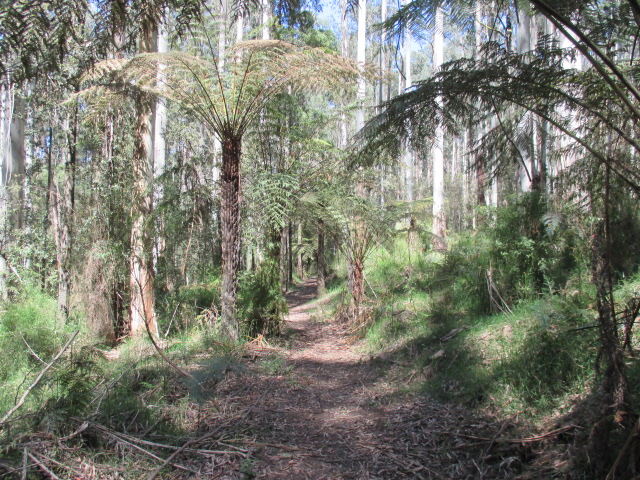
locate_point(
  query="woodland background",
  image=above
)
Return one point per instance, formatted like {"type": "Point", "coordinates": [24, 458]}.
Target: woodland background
{"type": "Point", "coordinates": [460, 177]}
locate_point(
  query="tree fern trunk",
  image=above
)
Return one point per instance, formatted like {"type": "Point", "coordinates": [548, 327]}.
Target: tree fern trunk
{"type": "Point", "coordinates": [230, 226]}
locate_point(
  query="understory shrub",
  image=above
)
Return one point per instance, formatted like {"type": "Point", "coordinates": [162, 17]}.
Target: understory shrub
{"type": "Point", "coordinates": [29, 320]}
{"type": "Point", "coordinates": [261, 303]}
{"type": "Point", "coordinates": [533, 250]}
{"type": "Point", "coordinates": [183, 310]}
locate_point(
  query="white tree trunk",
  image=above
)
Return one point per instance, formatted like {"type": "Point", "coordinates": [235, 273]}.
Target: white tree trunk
{"type": "Point", "coordinates": [142, 315]}
{"type": "Point", "coordinates": [407, 155]}
{"type": "Point", "coordinates": [361, 59]}
{"type": "Point", "coordinates": [526, 165]}
{"type": "Point", "coordinates": [266, 15]}
{"type": "Point", "coordinates": [567, 144]}
{"type": "Point", "coordinates": [240, 27]}
{"type": "Point", "coordinates": [439, 220]}
{"type": "Point", "coordinates": [159, 128]}
{"type": "Point", "coordinates": [382, 88]}
{"type": "Point", "coordinates": [6, 114]}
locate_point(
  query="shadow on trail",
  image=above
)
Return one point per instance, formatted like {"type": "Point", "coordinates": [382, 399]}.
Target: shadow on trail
{"type": "Point", "coordinates": [305, 294]}
{"type": "Point", "coordinates": [320, 410]}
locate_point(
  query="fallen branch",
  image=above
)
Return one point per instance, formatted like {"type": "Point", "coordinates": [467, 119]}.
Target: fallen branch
{"type": "Point", "coordinates": [152, 455]}
{"type": "Point", "coordinates": [141, 441]}
{"type": "Point", "coordinates": [632, 436]}
{"type": "Point", "coordinates": [61, 465]}
{"type": "Point", "coordinates": [37, 380]}
{"type": "Point", "coordinates": [43, 467]}
{"type": "Point", "coordinates": [210, 434]}
{"type": "Point", "coordinates": [537, 438]}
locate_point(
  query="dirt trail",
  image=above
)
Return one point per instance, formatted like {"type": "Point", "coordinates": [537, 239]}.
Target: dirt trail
{"type": "Point", "coordinates": [322, 412]}
{"type": "Point", "coordinates": [317, 417]}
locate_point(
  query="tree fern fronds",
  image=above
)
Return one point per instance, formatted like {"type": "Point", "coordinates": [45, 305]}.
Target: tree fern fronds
{"type": "Point", "coordinates": [230, 100]}
{"type": "Point", "coordinates": [496, 84]}
{"type": "Point", "coordinates": [36, 35]}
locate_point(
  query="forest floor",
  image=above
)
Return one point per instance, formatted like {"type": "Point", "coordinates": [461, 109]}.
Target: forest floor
{"type": "Point", "coordinates": [317, 408]}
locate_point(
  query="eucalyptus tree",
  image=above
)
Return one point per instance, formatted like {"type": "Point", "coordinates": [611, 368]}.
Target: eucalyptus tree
{"type": "Point", "coordinates": [148, 151]}
{"type": "Point", "coordinates": [35, 40]}
{"type": "Point", "coordinates": [439, 228]}
{"type": "Point", "coordinates": [227, 103]}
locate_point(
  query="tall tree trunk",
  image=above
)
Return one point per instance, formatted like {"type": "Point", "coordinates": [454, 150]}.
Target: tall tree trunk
{"type": "Point", "coordinates": [142, 314]}
{"type": "Point", "coordinates": [159, 128]}
{"type": "Point", "coordinates": [18, 159]}
{"type": "Point", "coordinates": [283, 258]}
{"type": "Point", "coordinates": [300, 266]}
{"type": "Point", "coordinates": [439, 219]}
{"type": "Point", "coordinates": [615, 401]}
{"type": "Point", "coordinates": [355, 259]}
{"type": "Point", "coordinates": [481, 200]}
{"type": "Point", "coordinates": [240, 26]}
{"type": "Point", "coordinates": [6, 114]}
{"type": "Point", "coordinates": [407, 154]}
{"type": "Point", "coordinates": [265, 10]}
{"type": "Point", "coordinates": [289, 255]}
{"type": "Point", "coordinates": [382, 85]}
{"type": "Point", "coordinates": [320, 259]}
{"type": "Point", "coordinates": [66, 206]}
{"type": "Point", "coordinates": [361, 59]}
{"type": "Point", "coordinates": [526, 166]}
{"type": "Point", "coordinates": [230, 226]}
{"type": "Point", "coordinates": [344, 50]}
{"type": "Point", "coordinates": [49, 199]}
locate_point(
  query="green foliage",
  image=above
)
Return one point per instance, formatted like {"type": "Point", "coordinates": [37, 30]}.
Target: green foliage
{"type": "Point", "coordinates": [625, 231]}
{"type": "Point", "coordinates": [532, 250]}
{"type": "Point", "coordinates": [193, 301]}
{"type": "Point", "coordinates": [30, 336]}
{"type": "Point", "coordinates": [261, 304]}
{"type": "Point", "coordinates": [30, 319]}
{"type": "Point", "coordinates": [548, 357]}
{"type": "Point", "coordinates": [72, 390]}
{"type": "Point", "coordinates": [133, 386]}
{"type": "Point", "coordinates": [432, 310]}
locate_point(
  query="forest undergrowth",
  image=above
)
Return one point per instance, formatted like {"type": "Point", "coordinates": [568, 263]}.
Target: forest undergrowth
{"type": "Point", "coordinates": [497, 338]}
{"type": "Point", "coordinates": [505, 324]}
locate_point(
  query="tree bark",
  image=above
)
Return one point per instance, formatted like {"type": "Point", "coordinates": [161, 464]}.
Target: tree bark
{"type": "Point", "coordinates": [159, 143]}
{"type": "Point", "coordinates": [526, 167]}
{"type": "Point", "coordinates": [283, 257]}
{"type": "Point", "coordinates": [142, 307]}
{"type": "Point", "coordinates": [230, 226]}
{"type": "Point", "coordinates": [344, 50]}
{"type": "Point", "coordinates": [142, 315]}
{"type": "Point", "coordinates": [6, 113]}
{"type": "Point", "coordinates": [66, 207]}
{"type": "Point", "coordinates": [300, 266]}
{"type": "Point", "coordinates": [481, 200]}
{"type": "Point", "coordinates": [266, 15]}
{"type": "Point", "coordinates": [361, 59]}
{"type": "Point", "coordinates": [322, 288]}
{"type": "Point", "coordinates": [439, 219]}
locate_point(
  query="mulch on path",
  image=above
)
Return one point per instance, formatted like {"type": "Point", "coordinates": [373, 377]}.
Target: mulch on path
{"type": "Point", "coordinates": [320, 410]}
